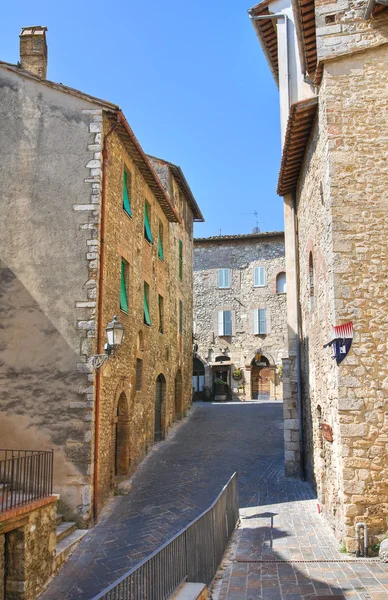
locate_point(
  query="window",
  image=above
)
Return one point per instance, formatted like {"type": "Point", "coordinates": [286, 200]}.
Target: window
{"type": "Point", "coordinates": [224, 278]}
{"type": "Point", "coordinates": [224, 322]}
{"type": "Point", "coordinates": [147, 317]}
{"type": "Point", "coordinates": [311, 281]}
{"type": "Point", "coordinates": [147, 222]}
{"type": "Point", "coordinates": [161, 312]}
{"type": "Point", "coordinates": [160, 241]}
{"type": "Point", "coordinates": [124, 285]}
{"type": "Point", "coordinates": [259, 276]}
{"type": "Point", "coordinates": [281, 283]}
{"type": "Point", "coordinates": [180, 260]}
{"type": "Point", "coordinates": [127, 192]}
{"type": "Point", "coordinates": [139, 373]}
{"type": "Point", "coordinates": [180, 316]}
{"type": "Point", "coordinates": [260, 321]}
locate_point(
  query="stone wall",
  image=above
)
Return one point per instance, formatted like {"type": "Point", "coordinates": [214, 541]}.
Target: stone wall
{"type": "Point", "coordinates": [124, 410]}
{"type": "Point", "coordinates": [49, 190]}
{"type": "Point", "coordinates": [27, 549]}
{"type": "Point", "coordinates": [240, 255]}
{"type": "Point", "coordinates": [342, 208]}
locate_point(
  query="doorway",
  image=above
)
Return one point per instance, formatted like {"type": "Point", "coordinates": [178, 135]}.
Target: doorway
{"type": "Point", "coordinates": [198, 379]}
{"type": "Point", "coordinates": [121, 456]}
{"type": "Point", "coordinates": [260, 379]}
{"type": "Point", "coordinates": [159, 408]}
{"type": "Point", "coordinates": [178, 395]}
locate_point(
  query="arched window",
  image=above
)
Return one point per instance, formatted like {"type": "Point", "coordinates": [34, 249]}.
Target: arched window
{"type": "Point", "coordinates": [311, 281]}
{"type": "Point", "coordinates": [281, 283]}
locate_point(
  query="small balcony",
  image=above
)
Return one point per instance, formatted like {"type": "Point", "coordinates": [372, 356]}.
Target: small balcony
{"type": "Point", "coordinates": [25, 476]}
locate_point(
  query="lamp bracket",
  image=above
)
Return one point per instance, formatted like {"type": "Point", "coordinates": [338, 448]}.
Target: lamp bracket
{"type": "Point", "coordinates": [97, 360]}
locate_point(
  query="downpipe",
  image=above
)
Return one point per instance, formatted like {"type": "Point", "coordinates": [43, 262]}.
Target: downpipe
{"type": "Point", "coordinates": [365, 529]}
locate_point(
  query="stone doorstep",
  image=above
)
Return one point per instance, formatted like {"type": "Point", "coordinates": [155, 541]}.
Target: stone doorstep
{"type": "Point", "coordinates": [191, 591]}
{"type": "Point", "coordinates": [64, 529]}
{"type": "Point", "coordinates": [67, 545]}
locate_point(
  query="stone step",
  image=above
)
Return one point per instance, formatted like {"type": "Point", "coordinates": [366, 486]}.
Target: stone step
{"type": "Point", "coordinates": [59, 518]}
{"type": "Point", "coordinates": [66, 546]}
{"type": "Point", "coordinates": [191, 591]}
{"type": "Point", "coordinates": [64, 529]}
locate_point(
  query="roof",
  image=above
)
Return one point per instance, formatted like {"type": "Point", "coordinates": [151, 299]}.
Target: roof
{"type": "Point", "coordinates": [267, 34]}
{"type": "Point", "coordinates": [300, 122]}
{"type": "Point", "coordinates": [240, 237]}
{"type": "Point", "coordinates": [178, 174]}
{"type": "Point", "coordinates": [132, 145]}
{"type": "Point", "coordinates": [304, 12]}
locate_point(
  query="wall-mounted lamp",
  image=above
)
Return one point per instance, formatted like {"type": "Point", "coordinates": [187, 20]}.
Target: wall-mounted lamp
{"type": "Point", "coordinates": [114, 335]}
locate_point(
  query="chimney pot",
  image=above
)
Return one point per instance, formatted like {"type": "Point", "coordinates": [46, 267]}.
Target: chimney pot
{"type": "Point", "coordinates": [33, 50]}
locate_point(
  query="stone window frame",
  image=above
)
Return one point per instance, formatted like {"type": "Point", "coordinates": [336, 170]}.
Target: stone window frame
{"type": "Point", "coordinates": [285, 283]}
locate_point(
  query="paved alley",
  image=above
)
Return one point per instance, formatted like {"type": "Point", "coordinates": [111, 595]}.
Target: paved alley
{"type": "Point", "coordinates": [178, 480]}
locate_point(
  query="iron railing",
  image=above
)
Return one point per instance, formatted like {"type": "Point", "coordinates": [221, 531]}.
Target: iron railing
{"type": "Point", "coordinates": [194, 554]}
{"type": "Point", "coordinates": [25, 475]}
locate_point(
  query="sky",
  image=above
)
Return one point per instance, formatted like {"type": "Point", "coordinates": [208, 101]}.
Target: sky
{"type": "Point", "coordinates": [193, 83]}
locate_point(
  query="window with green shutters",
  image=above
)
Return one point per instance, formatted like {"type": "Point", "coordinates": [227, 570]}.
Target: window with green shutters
{"type": "Point", "coordinates": [180, 260]}
{"type": "Point", "coordinates": [180, 316]}
{"type": "Point", "coordinates": [160, 241]}
{"type": "Point", "coordinates": [124, 285]}
{"type": "Point", "coordinates": [161, 313]}
{"type": "Point", "coordinates": [127, 192]}
{"type": "Point", "coordinates": [147, 222]}
{"type": "Point", "coordinates": [147, 316]}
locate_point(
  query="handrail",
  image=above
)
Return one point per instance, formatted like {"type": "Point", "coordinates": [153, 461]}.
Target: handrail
{"type": "Point", "coordinates": [196, 551]}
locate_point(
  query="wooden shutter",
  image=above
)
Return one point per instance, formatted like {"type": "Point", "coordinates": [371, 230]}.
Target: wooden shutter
{"type": "Point", "coordinates": [256, 328]}
{"type": "Point", "coordinates": [220, 278]}
{"type": "Point", "coordinates": [147, 226]}
{"type": "Point", "coordinates": [262, 321]}
{"type": "Point", "coordinates": [227, 278]}
{"type": "Point", "coordinates": [259, 276]}
{"type": "Point", "coordinates": [126, 193]}
{"type": "Point", "coordinates": [180, 260]}
{"type": "Point", "coordinates": [123, 288]}
{"type": "Point", "coordinates": [220, 322]}
{"type": "Point", "coordinates": [147, 316]}
{"type": "Point", "coordinates": [227, 322]}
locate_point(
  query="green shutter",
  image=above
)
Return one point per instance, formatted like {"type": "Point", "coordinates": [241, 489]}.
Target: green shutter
{"type": "Point", "coordinates": [180, 316]}
{"type": "Point", "coordinates": [147, 318]}
{"type": "Point", "coordinates": [180, 260]}
{"type": "Point", "coordinates": [126, 198]}
{"type": "Point", "coordinates": [123, 289]}
{"type": "Point", "coordinates": [147, 227]}
{"type": "Point", "coordinates": [160, 249]}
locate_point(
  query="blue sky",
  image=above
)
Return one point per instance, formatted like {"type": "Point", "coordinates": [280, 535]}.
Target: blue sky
{"type": "Point", "coordinates": [193, 83]}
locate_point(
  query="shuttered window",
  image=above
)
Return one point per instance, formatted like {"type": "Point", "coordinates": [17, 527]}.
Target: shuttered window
{"type": "Point", "coordinates": [259, 276]}
{"type": "Point", "coordinates": [224, 322]}
{"type": "Point", "coordinates": [180, 316]}
{"type": "Point", "coordinates": [260, 321]}
{"type": "Point", "coordinates": [161, 312]}
{"type": "Point", "coordinates": [139, 374]}
{"type": "Point", "coordinates": [127, 192]}
{"type": "Point", "coordinates": [147, 317]}
{"type": "Point", "coordinates": [160, 241]}
{"type": "Point", "coordinates": [147, 222]}
{"type": "Point", "coordinates": [124, 286]}
{"type": "Point", "coordinates": [180, 260]}
{"type": "Point", "coordinates": [224, 278]}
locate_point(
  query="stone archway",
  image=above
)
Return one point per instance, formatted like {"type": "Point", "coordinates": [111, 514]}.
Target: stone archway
{"type": "Point", "coordinates": [178, 398]}
{"type": "Point", "coordinates": [261, 373]}
{"type": "Point", "coordinates": [121, 449]}
{"type": "Point", "coordinates": [159, 423]}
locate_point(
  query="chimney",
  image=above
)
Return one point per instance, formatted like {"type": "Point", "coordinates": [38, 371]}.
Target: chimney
{"type": "Point", "coordinates": [33, 50]}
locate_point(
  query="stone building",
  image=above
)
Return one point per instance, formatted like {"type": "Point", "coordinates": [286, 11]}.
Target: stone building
{"type": "Point", "coordinates": [240, 324]}
{"type": "Point", "coordinates": [88, 231]}
{"type": "Point", "coordinates": [330, 62]}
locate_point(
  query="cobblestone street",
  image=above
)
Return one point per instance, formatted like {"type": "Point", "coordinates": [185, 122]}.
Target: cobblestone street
{"type": "Point", "coordinates": [280, 522]}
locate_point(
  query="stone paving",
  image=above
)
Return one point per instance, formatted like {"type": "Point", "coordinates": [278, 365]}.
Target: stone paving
{"type": "Point", "coordinates": [281, 528]}
{"type": "Point", "coordinates": [178, 480]}
{"type": "Point", "coordinates": [283, 550]}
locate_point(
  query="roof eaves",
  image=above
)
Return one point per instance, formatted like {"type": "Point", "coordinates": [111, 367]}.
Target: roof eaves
{"type": "Point", "coordinates": [304, 13]}
{"type": "Point", "coordinates": [177, 171]}
{"type": "Point", "coordinates": [59, 87]}
{"type": "Point", "coordinates": [267, 35]}
{"type": "Point", "coordinates": [240, 237]}
{"type": "Point", "coordinates": [300, 122]}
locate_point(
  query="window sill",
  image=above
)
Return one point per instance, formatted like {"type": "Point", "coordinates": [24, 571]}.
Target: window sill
{"type": "Point", "coordinates": [259, 286]}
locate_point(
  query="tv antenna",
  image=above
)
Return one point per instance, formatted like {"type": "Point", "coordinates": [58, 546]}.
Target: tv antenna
{"type": "Point", "coordinates": [256, 229]}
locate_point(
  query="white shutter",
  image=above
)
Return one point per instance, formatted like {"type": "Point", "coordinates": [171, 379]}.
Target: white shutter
{"type": "Point", "coordinates": [220, 278]}
{"type": "Point", "coordinates": [256, 321]}
{"type": "Point", "coordinates": [262, 321]}
{"type": "Point", "coordinates": [259, 277]}
{"type": "Point", "coordinates": [220, 322]}
{"type": "Point", "coordinates": [262, 276]}
{"type": "Point", "coordinates": [227, 322]}
{"type": "Point", "coordinates": [227, 278]}
{"type": "Point", "coordinates": [256, 276]}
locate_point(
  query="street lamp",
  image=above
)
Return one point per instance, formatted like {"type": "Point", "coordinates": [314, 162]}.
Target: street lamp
{"type": "Point", "coordinates": [114, 335]}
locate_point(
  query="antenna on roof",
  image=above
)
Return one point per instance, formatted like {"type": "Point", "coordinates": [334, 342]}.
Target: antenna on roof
{"type": "Point", "coordinates": [256, 229]}
{"type": "Point", "coordinates": [219, 232]}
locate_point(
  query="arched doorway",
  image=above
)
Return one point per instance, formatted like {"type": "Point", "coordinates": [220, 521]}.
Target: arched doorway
{"type": "Point", "coordinates": [121, 456]}
{"type": "Point", "coordinates": [198, 379]}
{"type": "Point", "coordinates": [178, 395]}
{"type": "Point", "coordinates": [159, 408]}
{"type": "Point", "coordinates": [260, 378]}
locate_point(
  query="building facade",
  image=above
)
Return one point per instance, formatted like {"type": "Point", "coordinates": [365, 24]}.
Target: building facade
{"type": "Point", "coordinates": [240, 325]}
{"type": "Point", "coordinates": [333, 177]}
{"type": "Point", "coordinates": [89, 232]}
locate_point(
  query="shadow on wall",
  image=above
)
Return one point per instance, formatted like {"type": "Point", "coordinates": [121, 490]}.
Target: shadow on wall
{"type": "Point", "coordinates": [43, 396]}
{"type": "Point", "coordinates": [308, 416]}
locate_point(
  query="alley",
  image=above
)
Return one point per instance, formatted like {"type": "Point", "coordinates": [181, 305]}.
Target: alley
{"type": "Point", "coordinates": [178, 480]}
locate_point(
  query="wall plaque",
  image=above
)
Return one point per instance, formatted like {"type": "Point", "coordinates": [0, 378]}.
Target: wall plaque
{"type": "Point", "coordinates": [327, 432]}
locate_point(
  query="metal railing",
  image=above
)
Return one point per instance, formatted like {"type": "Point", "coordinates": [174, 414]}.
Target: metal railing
{"type": "Point", "coordinates": [25, 475]}
{"type": "Point", "coordinates": [194, 554]}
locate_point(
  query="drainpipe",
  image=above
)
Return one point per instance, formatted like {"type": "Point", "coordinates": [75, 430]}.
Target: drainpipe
{"type": "Point", "coordinates": [365, 528]}
{"type": "Point", "coordinates": [99, 318]}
